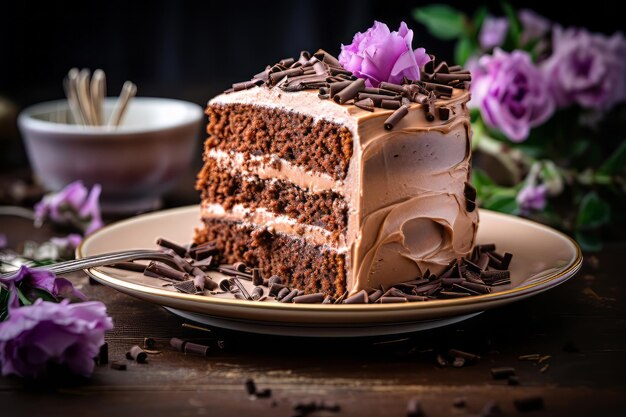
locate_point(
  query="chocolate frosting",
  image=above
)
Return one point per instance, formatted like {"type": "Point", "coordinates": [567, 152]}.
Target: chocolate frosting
{"type": "Point", "coordinates": [404, 186]}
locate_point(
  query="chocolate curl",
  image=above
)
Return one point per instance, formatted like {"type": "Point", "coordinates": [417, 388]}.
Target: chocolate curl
{"type": "Point", "coordinates": [129, 266]}
{"type": "Point", "coordinates": [398, 89]}
{"type": "Point", "coordinates": [365, 104]}
{"type": "Point", "coordinates": [448, 78]}
{"type": "Point", "coordinates": [327, 58]}
{"type": "Point", "coordinates": [166, 272]}
{"type": "Point", "coordinates": [439, 89]}
{"type": "Point", "coordinates": [320, 68]}
{"type": "Point", "coordinates": [282, 293]}
{"type": "Point", "coordinates": [373, 297]}
{"type": "Point", "coordinates": [289, 297]}
{"type": "Point", "coordinates": [304, 57]}
{"type": "Point", "coordinates": [455, 68]}
{"type": "Point", "coordinates": [198, 282]}
{"type": "Point", "coordinates": [246, 85]}
{"type": "Point", "coordinates": [339, 72]}
{"type": "Point", "coordinates": [470, 198]}
{"type": "Point", "coordinates": [180, 251]}
{"type": "Point", "coordinates": [257, 293]}
{"type": "Point", "coordinates": [335, 88]}
{"type": "Point", "coordinates": [359, 298]}
{"type": "Point", "coordinates": [429, 67]}
{"type": "Point", "coordinates": [392, 300]}
{"type": "Point", "coordinates": [442, 68]}
{"type": "Point", "coordinates": [390, 104]}
{"type": "Point", "coordinates": [350, 91]}
{"type": "Point", "coordinates": [286, 62]}
{"type": "Point", "coordinates": [396, 117]}
{"type": "Point", "coordinates": [263, 75]}
{"type": "Point", "coordinates": [309, 298]}
{"type": "Point", "coordinates": [378, 98]}
{"type": "Point", "coordinates": [277, 76]}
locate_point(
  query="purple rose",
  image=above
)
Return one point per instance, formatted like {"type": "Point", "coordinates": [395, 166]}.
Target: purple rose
{"type": "Point", "coordinates": [45, 280]}
{"type": "Point", "coordinates": [45, 333]}
{"type": "Point", "coordinates": [534, 26]}
{"type": "Point", "coordinates": [492, 32]}
{"type": "Point", "coordinates": [512, 94]}
{"type": "Point", "coordinates": [532, 198]}
{"type": "Point", "coordinates": [586, 68]}
{"type": "Point", "coordinates": [380, 55]}
{"type": "Point", "coordinates": [74, 205]}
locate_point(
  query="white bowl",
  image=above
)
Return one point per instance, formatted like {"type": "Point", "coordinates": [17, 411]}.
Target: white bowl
{"type": "Point", "coordinates": [135, 163]}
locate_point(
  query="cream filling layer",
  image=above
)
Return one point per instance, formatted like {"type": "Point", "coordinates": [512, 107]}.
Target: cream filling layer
{"type": "Point", "coordinates": [272, 167]}
{"type": "Point", "coordinates": [260, 217]}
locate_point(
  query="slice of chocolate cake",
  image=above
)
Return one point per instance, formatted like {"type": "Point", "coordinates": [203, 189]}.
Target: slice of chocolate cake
{"type": "Point", "coordinates": [334, 186]}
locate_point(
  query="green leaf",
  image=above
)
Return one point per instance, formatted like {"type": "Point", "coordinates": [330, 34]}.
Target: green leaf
{"type": "Point", "coordinates": [616, 162]}
{"type": "Point", "coordinates": [579, 147]}
{"type": "Point", "coordinates": [593, 212]}
{"type": "Point", "coordinates": [479, 18]}
{"type": "Point", "coordinates": [442, 21]}
{"type": "Point", "coordinates": [4, 300]}
{"type": "Point", "coordinates": [588, 242]}
{"type": "Point", "coordinates": [515, 27]}
{"type": "Point", "coordinates": [36, 293]}
{"type": "Point", "coordinates": [25, 301]}
{"type": "Point", "coordinates": [463, 50]}
{"type": "Point", "coordinates": [502, 203]}
{"type": "Point", "coordinates": [481, 182]}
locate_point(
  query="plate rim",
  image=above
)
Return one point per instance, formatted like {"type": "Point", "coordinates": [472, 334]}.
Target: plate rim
{"type": "Point", "coordinates": [550, 281]}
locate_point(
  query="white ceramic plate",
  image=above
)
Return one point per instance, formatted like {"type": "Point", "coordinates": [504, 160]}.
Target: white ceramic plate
{"type": "Point", "coordinates": [542, 258]}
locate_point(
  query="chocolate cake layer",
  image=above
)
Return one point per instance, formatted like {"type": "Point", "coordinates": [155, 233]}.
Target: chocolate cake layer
{"type": "Point", "coordinates": [311, 268]}
{"type": "Point", "coordinates": [316, 145]}
{"type": "Point", "coordinates": [326, 209]}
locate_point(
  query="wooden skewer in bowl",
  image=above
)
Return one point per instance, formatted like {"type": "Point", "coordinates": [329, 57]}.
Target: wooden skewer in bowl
{"type": "Point", "coordinates": [86, 93]}
{"type": "Point", "coordinates": [129, 90]}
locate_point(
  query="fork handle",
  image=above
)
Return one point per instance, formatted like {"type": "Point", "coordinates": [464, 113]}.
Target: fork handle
{"type": "Point", "coordinates": [101, 260]}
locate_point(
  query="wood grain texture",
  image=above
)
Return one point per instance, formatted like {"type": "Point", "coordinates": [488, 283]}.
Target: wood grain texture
{"type": "Point", "coordinates": [581, 324]}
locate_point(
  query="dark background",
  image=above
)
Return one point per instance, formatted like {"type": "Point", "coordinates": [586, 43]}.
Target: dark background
{"type": "Point", "coordinates": [192, 50]}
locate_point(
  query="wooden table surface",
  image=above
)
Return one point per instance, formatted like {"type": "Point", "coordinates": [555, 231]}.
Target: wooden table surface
{"type": "Point", "coordinates": [580, 324]}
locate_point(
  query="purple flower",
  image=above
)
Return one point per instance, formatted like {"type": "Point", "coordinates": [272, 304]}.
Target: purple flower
{"type": "Point", "coordinates": [68, 243]}
{"type": "Point", "coordinates": [492, 32]}
{"type": "Point", "coordinates": [512, 94]}
{"type": "Point", "coordinates": [586, 68]}
{"type": "Point", "coordinates": [74, 205]}
{"type": "Point", "coordinates": [534, 25]}
{"type": "Point", "coordinates": [45, 280]}
{"type": "Point", "coordinates": [380, 55]}
{"type": "Point", "coordinates": [532, 198]}
{"type": "Point", "coordinates": [45, 333]}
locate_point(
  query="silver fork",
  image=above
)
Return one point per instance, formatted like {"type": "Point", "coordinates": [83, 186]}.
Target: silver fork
{"type": "Point", "coordinates": [104, 259]}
